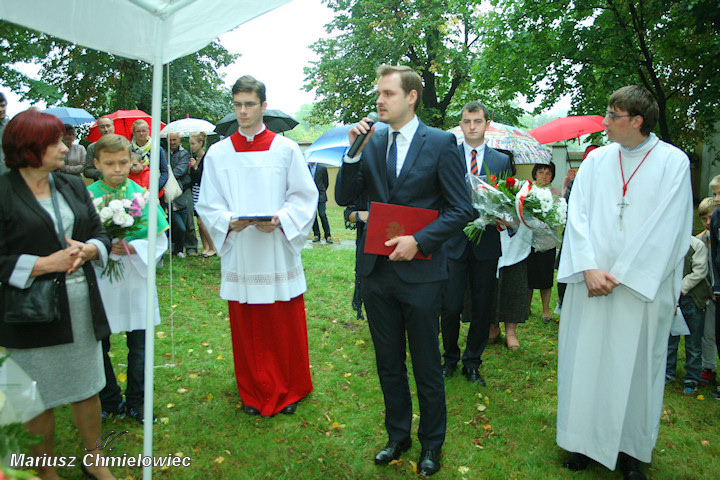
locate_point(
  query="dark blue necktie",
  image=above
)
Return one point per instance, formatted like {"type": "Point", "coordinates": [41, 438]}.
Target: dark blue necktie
{"type": "Point", "coordinates": [392, 162]}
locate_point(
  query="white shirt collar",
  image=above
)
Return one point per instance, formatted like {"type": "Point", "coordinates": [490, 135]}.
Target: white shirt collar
{"type": "Point", "coordinates": [251, 138]}
{"type": "Point", "coordinates": [480, 148]}
{"type": "Point", "coordinates": [641, 146]}
{"type": "Point", "coordinates": [408, 130]}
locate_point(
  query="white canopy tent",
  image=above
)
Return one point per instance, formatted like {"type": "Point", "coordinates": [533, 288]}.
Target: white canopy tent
{"type": "Point", "coordinates": [157, 32]}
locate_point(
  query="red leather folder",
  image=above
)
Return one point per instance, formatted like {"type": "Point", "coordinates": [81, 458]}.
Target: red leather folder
{"type": "Point", "coordinates": [388, 221]}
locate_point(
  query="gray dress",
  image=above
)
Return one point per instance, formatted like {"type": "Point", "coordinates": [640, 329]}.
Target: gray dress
{"type": "Point", "coordinates": [73, 371]}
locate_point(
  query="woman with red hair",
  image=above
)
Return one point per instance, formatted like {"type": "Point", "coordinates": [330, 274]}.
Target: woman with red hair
{"type": "Point", "coordinates": [49, 229]}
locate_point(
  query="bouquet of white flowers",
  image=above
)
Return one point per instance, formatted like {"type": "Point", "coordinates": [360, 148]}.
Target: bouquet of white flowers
{"type": "Point", "coordinates": [542, 212]}
{"type": "Point", "coordinates": [121, 217]}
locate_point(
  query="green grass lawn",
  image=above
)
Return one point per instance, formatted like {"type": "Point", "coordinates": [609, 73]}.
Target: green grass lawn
{"type": "Point", "coordinates": [503, 431]}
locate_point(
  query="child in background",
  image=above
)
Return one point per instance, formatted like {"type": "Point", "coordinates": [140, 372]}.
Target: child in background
{"type": "Point", "coordinates": [715, 258]}
{"type": "Point", "coordinates": [125, 299]}
{"type": "Point", "coordinates": [140, 173]}
{"type": "Point", "coordinates": [694, 295]}
{"type": "Point", "coordinates": [705, 210]}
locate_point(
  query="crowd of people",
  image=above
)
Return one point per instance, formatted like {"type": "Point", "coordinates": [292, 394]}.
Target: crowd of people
{"type": "Point", "coordinates": [624, 271]}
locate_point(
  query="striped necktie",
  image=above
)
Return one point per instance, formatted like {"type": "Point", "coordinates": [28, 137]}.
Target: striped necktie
{"type": "Point", "coordinates": [473, 162]}
{"type": "Point", "coordinates": [392, 162]}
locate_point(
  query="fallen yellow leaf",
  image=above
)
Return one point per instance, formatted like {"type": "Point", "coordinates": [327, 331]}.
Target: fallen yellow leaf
{"type": "Point", "coordinates": [481, 408]}
{"type": "Point", "coordinates": [338, 426]}
{"type": "Point", "coordinates": [463, 470]}
{"type": "Point", "coordinates": [204, 344]}
{"type": "Point", "coordinates": [160, 334]}
{"type": "Point", "coordinates": [179, 454]}
{"type": "Point", "coordinates": [182, 390]}
{"type": "Point", "coordinates": [220, 357]}
{"type": "Point", "coordinates": [209, 397]}
{"type": "Point", "coordinates": [164, 420]}
{"type": "Point", "coordinates": [193, 375]}
{"type": "Point", "coordinates": [359, 342]}
{"type": "Point", "coordinates": [122, 377]}
{"type": "Point", "coordinates": [487, 427]}
{"type": "Point", "coordinates": [347, 375]}
{"type": "Point", "coordinates": [170, 405]}
{"type": "Point", "coordinates": [508, 391]}
{"type": "Point", "coordinates": [219, 460]}
{"type": "Point", "coordinates": [704, 443]}
{"type": "Point", "coordinates": [701, 397]}
{"type": "Point", "coordinates": [487, 400]}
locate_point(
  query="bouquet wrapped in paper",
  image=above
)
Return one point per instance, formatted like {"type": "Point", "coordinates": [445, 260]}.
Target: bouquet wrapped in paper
{"type": "Point", "coordinates": [121, 218]}
{"type": "Point", "coordinates": [542, 212]}
{"type": "Point", "coordinates": [514, 201]}
{"type": "Point", "coordinates": [493, 199]}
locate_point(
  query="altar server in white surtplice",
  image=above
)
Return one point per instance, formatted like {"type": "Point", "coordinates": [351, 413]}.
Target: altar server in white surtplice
{"type": "Point", "coordinates": [258, 201]}
{"type": "Point", "coordinates": [628, 230]}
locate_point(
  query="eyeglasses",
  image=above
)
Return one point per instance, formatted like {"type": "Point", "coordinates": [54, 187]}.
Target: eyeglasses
{"type": "Point", "coordinates": [247, 105]}
{"type": "Point", "coordinates": [613, 115]}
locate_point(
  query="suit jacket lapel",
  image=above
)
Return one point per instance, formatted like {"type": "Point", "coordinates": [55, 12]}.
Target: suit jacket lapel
{"type": "Point", "coordinates": [412, 155]}
{"type": "Point", "coordinates": [24, 193]}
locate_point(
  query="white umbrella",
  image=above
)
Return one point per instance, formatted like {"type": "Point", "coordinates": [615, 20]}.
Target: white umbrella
{"type": "Point", "coordinates": [145, 30]}
{"type": "Point", "coordinates": [187, 126]}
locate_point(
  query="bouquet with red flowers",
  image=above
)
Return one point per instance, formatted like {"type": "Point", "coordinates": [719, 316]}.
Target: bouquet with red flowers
{"type": "Point", "coordinates": [493, 199]}
{"type": "Point", "coordinates": [542, 212]}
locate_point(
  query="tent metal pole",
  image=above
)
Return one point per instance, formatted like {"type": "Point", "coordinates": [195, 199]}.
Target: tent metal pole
{"type": "Point", "coordinates": [151, 266]}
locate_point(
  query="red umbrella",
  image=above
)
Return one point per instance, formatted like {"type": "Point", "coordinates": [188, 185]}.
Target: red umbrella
{"type": "Point", "coordinates": [565, 128]}
{"type": "Point", "coordinates": [123, 123]}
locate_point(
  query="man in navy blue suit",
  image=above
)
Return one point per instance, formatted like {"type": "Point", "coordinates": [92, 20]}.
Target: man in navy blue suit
{"type": "Point", "coordinates": [469, 261]}
{"type": "Point", "coordinates": [414, 165]}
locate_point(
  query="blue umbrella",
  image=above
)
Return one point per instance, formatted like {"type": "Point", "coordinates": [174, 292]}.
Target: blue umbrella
{"type": "Point", "coordinates": [70, 115]}
{"type": "Point", "coordinates": [330, 147]}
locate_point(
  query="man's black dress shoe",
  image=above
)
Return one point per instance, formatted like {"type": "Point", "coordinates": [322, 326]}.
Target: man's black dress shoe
{"type": "Point", "coordinates": [448, 370]}
{"type": "Point", "coordinates": [576, 462]}
{"type": "Point", "coordinates": [289, 409]}
{"type": "Point", "coordinates": [250, 410]}
{"type": "Point", "coordinates": [473, 376]}
{"type": "Point", "coordinates": [429, 462]}
{"type": "Point", "coordinates": [630, 467]}
{"type": "Point", "coordinates": [392, 451]}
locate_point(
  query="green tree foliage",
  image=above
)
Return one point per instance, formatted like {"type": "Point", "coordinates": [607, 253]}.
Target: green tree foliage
{"type": "Point", "coordinates": [306, 131]}
{"type": "Point", "coordinates": [437, 38]}
{"type": "Point", "coordinates": [102, 83]}
{"type": "Point", "coordinates": [587, 49]}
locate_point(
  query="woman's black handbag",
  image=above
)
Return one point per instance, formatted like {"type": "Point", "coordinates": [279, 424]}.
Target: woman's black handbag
{"type": "Point", "coordinates": [36, 304]}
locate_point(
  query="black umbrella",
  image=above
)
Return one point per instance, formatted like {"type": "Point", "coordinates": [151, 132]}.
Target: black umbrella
{"type": "Point", "coordinates": [276, 120]}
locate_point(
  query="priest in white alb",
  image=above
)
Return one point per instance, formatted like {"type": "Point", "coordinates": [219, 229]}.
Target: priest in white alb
{"type": "Point", "coordinates": [259, 201]}
{"type": "Point", "coordinates": [628, 230]}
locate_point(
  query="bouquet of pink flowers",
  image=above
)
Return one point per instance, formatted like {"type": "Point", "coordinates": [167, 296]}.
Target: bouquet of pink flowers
{"type": "Point", "coordinates": [493, 199]}
{"type": "Point", "coordinates": [121, 218]}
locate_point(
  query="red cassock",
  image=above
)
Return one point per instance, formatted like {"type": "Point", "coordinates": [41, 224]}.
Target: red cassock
{"type": "Point", "coordinates": [270, 348]}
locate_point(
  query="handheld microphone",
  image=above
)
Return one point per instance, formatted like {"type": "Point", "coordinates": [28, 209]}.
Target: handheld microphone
{"type": "Point", "coordinates": [373, 116]}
